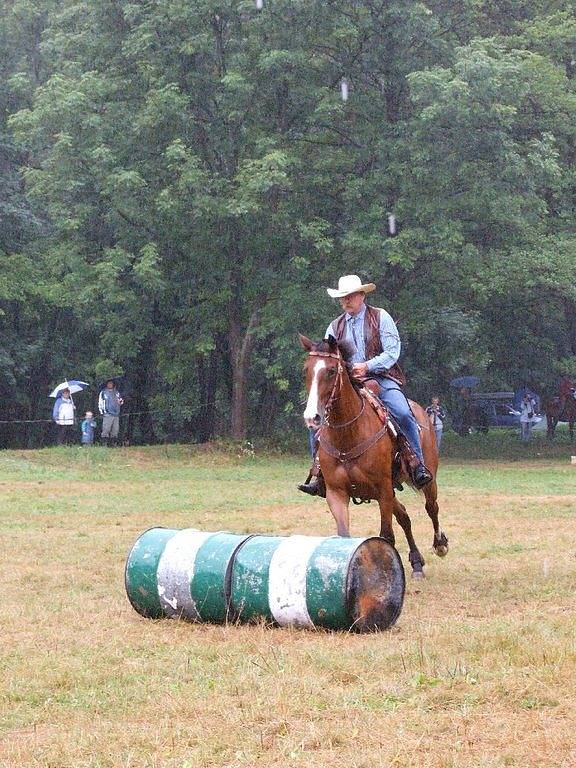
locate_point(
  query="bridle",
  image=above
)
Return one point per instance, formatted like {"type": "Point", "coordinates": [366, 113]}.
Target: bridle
{"type": "Point", "coordinates": [344, 457]}
{"type": "Point", "coordinates": [336, 387]}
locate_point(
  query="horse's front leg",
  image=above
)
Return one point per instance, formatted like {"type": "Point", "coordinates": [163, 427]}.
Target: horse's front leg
{"type": "Point", "coordinates": [339, 501]}
{"type": "Point", "coordinates": [386, 504]}
{"type": "Point", "coordinates": [415, 556]}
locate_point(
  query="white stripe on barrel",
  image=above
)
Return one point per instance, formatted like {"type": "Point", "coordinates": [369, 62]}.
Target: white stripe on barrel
{"type": "Point", "coordinates": [287, 580]}
{"type": "Point", "coordinates": [175, 572]}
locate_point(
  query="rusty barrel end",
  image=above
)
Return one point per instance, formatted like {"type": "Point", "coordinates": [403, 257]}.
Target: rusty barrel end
{"type": "Point", "coordinates": [375, 586]}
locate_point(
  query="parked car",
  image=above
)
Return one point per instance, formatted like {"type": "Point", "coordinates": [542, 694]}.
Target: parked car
{"type": "Point", "coordinates": [484, 410]}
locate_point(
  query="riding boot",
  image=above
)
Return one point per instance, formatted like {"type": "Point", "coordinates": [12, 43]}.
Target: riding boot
{"type": "Point", "coordinates": [314, 485]}
{"type": "Point", "coordinates": [104, 442]}
{"type": "Point", "coordinates": [421, 476]}
{"type": "Point", "coordinates": [419, 473]}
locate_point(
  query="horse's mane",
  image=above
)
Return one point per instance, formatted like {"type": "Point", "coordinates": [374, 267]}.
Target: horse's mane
{"type": "Point", "coordinates": [346, 348]}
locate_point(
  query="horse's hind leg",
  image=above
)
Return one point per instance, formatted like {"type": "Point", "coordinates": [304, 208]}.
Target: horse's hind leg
{"type": "Point", "coordinates": [440, 542]}
{"type": "Point", "coordinates": [415, 557]}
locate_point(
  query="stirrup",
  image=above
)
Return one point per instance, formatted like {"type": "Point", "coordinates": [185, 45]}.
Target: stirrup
{"type": "Point", "coordinates": [421, 476]}
{"type": "Point", "coordinates": [314, 486]}
{"type": "Point", "coordinates": [311, 488]}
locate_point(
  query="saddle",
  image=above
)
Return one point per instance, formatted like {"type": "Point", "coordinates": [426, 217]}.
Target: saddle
{"type": "Point", "coordinates": [404, 457]}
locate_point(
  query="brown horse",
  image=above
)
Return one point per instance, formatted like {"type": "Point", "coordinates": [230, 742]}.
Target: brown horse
{"type": "Point", "coordinates": [356, 450]}
{"type": "Point", "coordinates": [555, 411]}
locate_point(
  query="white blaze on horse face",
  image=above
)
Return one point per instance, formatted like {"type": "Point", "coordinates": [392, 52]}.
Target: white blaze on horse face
{"type": "Point", "coordinates": [312, 406]}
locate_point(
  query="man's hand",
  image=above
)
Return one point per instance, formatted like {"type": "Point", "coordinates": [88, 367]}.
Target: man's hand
{"type": "Point", "coordinates": [359, 369]}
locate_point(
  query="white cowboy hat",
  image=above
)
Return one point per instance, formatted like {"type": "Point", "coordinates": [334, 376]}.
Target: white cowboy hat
{"type": "Point", "coordinates": [350, 284]}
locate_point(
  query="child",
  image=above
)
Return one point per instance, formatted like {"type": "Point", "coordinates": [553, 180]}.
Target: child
{"type": "Point", "coordinates": [88, 426]}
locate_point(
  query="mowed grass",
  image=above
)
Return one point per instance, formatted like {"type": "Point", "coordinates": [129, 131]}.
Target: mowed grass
{"type": "Point", "coordinates": [478, 673]}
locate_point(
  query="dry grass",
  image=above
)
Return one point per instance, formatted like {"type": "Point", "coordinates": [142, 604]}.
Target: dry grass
{"type": "Point", "coordinates": [478, 673]}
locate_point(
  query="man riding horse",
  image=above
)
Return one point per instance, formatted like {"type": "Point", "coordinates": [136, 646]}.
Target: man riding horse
{"type": "Point", "coordinates": [374, 337]}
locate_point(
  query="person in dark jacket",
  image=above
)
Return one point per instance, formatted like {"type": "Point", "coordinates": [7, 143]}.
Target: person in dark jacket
{"type": "Point", "coordinates": [109, 403]}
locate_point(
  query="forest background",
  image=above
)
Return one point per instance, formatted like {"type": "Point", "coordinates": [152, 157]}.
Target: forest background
{"type": "Point", "coordinates": [181, 179]}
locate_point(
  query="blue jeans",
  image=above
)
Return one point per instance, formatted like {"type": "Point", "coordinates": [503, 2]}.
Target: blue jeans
{"type": "Point", "coordinates": [312, 441]}
{"type": "Point", "coordinates": [393, 397]}
{"type": "Point", "coordinates": [439, 437]}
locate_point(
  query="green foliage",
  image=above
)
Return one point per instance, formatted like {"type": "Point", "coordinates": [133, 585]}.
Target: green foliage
{"type": "Point", "coordinates": [180, 181]}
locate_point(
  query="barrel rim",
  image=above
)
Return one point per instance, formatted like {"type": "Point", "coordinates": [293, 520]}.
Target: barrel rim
{"type": "Point", "coordinates": [232, 615]}
{"type": "Point", "coordinates": [235, 614]}
{"type": "Point", "coordinates": [127, 563]}
{"type": "Point", "coordinates": [348, 595]}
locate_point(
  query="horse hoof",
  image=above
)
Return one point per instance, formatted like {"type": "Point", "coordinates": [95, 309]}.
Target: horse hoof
{"type": "Point", "coordinates": [442, 550]}
{"type": "Point", "coordinates": [440, 545]}
{"type": "Point", "coordinates": [418, 575]}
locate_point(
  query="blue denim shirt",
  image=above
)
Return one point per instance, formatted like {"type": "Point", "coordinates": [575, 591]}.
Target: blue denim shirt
{"type": "Point", "coordinates": [388, 336]}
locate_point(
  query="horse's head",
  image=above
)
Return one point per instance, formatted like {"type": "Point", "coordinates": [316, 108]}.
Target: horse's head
{"type": "Point", "coordinates": [323, 369]}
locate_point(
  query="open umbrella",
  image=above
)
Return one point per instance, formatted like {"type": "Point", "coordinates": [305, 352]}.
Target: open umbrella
{"type": "Point", "coordinates": [73, 385]}
{"type": "Point", "coordinates": [469, 382]}
{"type": "Point", "coordinates": [118, 381]}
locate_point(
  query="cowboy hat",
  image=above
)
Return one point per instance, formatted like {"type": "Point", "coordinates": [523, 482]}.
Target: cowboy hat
{"type": "Point", "coordinates": [350, 284]}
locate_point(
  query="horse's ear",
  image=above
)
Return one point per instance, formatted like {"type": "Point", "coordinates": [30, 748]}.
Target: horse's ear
{"type": "Point", "coordinates": [305, 342]}
{"type": "Point", "coordinates": [332, 343]}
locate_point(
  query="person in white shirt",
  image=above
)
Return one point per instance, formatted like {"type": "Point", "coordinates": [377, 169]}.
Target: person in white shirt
{"type": "Point", "coordinates": [64, 417]}
{"type": "Point", "coordinates": [527, 414]}
{"type": "Point", "coordinates": [436, 414]}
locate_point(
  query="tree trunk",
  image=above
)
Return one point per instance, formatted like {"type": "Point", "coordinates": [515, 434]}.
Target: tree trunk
{"type": "Point", "coordinates": [570, 315]}
{"type": "Point", "coordinates": [138, 398]}
{"type": "Point", "coordinates": [207, 386]}
{"type": "Point", "coordinates": [240, 350]}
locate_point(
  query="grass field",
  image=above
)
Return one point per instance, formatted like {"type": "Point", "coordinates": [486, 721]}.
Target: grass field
{"type": "Point", "coordinates": [478, 673]}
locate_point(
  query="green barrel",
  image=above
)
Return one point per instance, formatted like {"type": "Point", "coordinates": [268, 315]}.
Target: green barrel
{"type": "Point", "coordinates": [309, 581]}
{"type": "Point", "coordinates": [303, 581]}
{"type": "Point", "coordinates": [182, 573]}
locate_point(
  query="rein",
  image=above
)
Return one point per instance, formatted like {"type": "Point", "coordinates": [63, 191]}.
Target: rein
{"type": "Point", "coordinates": [353, 453]}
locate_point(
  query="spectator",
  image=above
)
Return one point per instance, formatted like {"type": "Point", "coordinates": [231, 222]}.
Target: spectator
{"type": "Point", "coordinates": [88, 427]}
{"type": "Point", "coordinates": [63, 415]}
{"type": "Point", "coordinates": [527, 414]}
{"type": "Point", "coordinates": [109, 402]}
{"type": "Point", "coordinates": [436, 414]}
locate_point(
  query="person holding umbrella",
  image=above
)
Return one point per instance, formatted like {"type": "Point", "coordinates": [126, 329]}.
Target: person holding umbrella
{"type": "Point", "coordinates": [63, 411]}
{"type": "Point", "coordinates": [109, 403]}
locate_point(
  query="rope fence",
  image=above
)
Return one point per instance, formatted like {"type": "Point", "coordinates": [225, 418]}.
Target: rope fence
{"type": "Point", "coordinates": [99, 416]}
